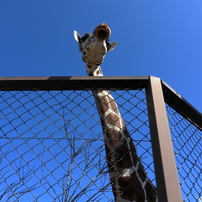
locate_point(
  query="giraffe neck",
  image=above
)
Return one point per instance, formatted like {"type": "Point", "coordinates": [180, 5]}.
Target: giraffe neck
{"type": "Point", "coordinates": [127, 175]}
{"type": "Point", "coordinates": [94, 70]}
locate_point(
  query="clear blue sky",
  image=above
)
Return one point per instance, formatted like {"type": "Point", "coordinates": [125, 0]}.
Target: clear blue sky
{"type": "Point", "coordinates": [159, 38]}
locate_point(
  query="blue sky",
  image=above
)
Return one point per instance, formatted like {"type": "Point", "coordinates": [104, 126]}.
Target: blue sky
{"type": "Point", "coordinates": [159, 38]}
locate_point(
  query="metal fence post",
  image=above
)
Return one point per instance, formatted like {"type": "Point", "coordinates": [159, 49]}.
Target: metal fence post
{"type": "Point", "coordinates": [165, 168]}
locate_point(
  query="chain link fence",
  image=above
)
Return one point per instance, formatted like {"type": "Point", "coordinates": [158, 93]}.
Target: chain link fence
{"type": "Point", "coordinates": [187, 146]}
{"type": "Point", "coordinates": [52, 146]}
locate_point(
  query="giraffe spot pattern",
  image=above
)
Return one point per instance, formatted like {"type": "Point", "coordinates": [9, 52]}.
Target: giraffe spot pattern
{"type": "Point", "coordinates": [129, 181]}
{"type": "Point", "coordinates": [123, 162]}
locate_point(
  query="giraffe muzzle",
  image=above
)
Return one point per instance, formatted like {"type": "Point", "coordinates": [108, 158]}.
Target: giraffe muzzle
{"type": "Point", "coordinates": [102, 31]}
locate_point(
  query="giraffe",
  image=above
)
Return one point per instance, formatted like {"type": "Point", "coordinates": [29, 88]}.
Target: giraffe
{"type": "Point", "coordinates": [127, 176]}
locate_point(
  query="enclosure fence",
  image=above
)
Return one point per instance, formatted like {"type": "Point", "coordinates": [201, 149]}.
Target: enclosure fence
{"type": "Point", "coordinates": [52, 146]}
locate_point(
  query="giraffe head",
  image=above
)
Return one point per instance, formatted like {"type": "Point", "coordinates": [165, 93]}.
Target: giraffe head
{"type": "Point", "coordinates": [95, 46]}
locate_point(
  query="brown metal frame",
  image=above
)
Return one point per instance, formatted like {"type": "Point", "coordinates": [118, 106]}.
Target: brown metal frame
{"type": "Point", "coordinates": [157, 93]}
{"type": "Point", "coordinates": [164, 161]}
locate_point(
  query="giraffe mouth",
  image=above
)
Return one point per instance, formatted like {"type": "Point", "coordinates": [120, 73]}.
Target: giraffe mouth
{"type": "Point", "coordinates": [102, 31]}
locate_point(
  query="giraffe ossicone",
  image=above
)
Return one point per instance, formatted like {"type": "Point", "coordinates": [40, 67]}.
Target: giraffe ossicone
{"type": "Point", "coordinates": [127, 175]}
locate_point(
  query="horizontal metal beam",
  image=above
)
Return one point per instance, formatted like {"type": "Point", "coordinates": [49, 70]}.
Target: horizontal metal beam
{"type": "Point", "coordinates": [179, 104]}
{"type": "Point", "coordinates": [73, 83]}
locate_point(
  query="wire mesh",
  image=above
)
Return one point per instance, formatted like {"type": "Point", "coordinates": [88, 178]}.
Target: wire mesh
{"type": "Point", "coordinates": [187, 146]}
{"type": "Point", "coordinates": [52, 148]}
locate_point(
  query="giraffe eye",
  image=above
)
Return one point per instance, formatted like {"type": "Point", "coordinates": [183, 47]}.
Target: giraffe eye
{"type": "Point", "coordinates": [108, 44]}
{"type": "Point", "coordinates": [85, 37]}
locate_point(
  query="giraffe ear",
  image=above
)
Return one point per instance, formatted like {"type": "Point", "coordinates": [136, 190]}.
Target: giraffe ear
{"type": "Point", "coordinates": [112, 46]}
{"type": "Point", "coordinates": [77, 36]}
{"type": "Point", "coordinates": [78, 39]}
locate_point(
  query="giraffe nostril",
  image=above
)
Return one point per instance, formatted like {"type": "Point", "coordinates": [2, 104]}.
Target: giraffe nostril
{"type": "Point", "coordinates": [102, 34]}
{"type": "Point", "coordinates": [102, 31]}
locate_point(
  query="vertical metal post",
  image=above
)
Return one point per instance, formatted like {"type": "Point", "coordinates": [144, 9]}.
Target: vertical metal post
{"type": "Point", "coordinates": [164, 162]}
